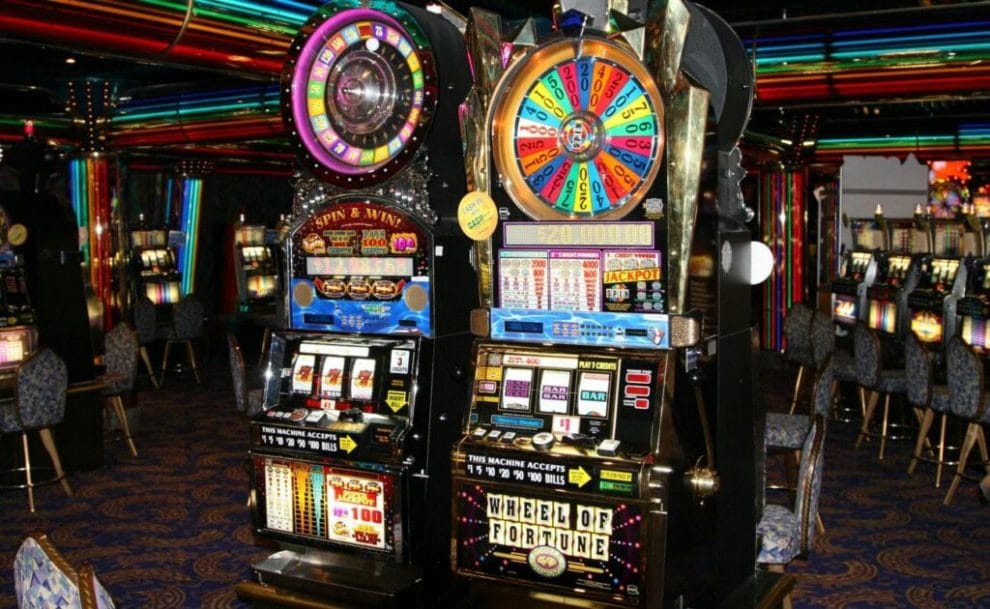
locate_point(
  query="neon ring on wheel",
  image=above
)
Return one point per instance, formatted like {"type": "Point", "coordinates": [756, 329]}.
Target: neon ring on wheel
{"type": "Point", "coordinates": [360, 91]}
{"type": "Point", "coordinates": [577, 130]}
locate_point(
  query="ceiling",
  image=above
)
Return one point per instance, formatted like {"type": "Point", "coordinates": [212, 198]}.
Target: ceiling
{"type": "Point", "coordinates": [37, 84]}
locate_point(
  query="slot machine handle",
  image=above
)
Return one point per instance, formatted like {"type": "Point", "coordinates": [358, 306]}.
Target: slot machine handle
{"type": "Point", "coordinates": [703, 480]}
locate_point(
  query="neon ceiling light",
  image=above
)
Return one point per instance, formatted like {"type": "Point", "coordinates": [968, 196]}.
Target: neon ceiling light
{"type": "Point", "coordinates": [261, 99]}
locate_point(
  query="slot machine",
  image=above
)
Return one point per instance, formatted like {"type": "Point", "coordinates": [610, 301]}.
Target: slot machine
{"type": "Point", "coordinates": [973, 308]}
{"type": "Point", "coordinates": [350, 458]}
{"type": "Point", "coordinates": [156, 274]}
{"type": "Point", "coordinates": [896, 277]}
{"type": "Point", "coordinates": [573, 478]}
{"type": "Point", "coordinates": [256, 266]}
{"type": "Point", "coordinates": [856, 273]}
{"type": "Point", "coordinates": [942, 279]}
{"type": "Point", "coordinates": [18, 332]}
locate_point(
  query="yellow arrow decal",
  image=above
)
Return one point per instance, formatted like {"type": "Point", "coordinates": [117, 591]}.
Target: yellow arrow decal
{"type": "Point", "coordinates": [348, 444]}
{"type": "Point", "coordinates": [578, 476]}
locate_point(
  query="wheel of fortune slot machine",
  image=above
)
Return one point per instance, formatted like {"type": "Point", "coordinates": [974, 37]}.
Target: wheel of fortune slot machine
{"type": "Point", "coordinates": [576, 478]}
{"type": "Point", "coordinates": [350, 456]}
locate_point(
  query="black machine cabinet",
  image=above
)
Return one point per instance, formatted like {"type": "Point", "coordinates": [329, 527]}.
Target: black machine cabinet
{"type": "Point", "coordinates": [153, 264]}
{"type": "Point", "coordinates": [351, 457]}
{"type": "Point", "coordinates": [332, 452]}
{"type": "Point", "coordinates": [557, 483]}
{"type": "Point", "coordinates": [973, 308]}
{"type": "Point", "coordinates": [932, 304]}
{"type": "Point", "coordinates": [256, 265]}
{"type": "Point", "coordinates": [896, 277]}
{"type": "Point", "coordinates": [859, 269]}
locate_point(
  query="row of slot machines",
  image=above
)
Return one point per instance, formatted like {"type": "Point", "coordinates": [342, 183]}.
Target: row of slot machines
{"type": "Point", "coordinates": [481, 379]}
{"type": "Point", "coordinates": [932, 295]}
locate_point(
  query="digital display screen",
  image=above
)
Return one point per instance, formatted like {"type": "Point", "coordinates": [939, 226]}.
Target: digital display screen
{"type": "Point", "coordinates": [594, 545]}
{"type": "Point", "coordinates": [882, 316]}
{"type": "Point", "coordinates": [15, 345]}
{"type": "Point", "coordinates": [927, 326]}
{"type": "Point", "coordinates": [844, 309]}
{"type": "Point", "coordinates": [385, 266]}
{"type": "Point", "coordinates": [976, 333]}
{"type": "Point", "coordinates": [329, 503]}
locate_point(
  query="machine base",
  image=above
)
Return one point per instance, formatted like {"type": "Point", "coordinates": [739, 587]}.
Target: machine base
{"type": "Point", "coordinates": [334, 580]}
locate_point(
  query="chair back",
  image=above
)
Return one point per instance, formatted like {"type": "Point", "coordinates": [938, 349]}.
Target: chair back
{"type": "Point", "coordinates": [822, 393]}
{"type": "Point", "coordinates": [144, 320]}
{"type": "Point", "coordinates": [92, 593]}
{"type": "Point", "coordinates": [121, 358]}
{"type": "Point", "coordinates": [918, 372]}
{"type": "Point", "coordinates": [822, 338]}
{"type": "Point", "coordinates": [40, 390]}
{"type": "Point", "coordinates": [237, 372]}
{"type": "Point", "coordinates": [809, 484]}
{"type": "Point", "coordinates": [797, 334]}
{"type": "Point", "coordinates": [42, 577]}
{"type": "Point", "coordinates": [188, 316]}
{"type": "Point", "coordinates": [964, 373]}
{"type": "Point", "coordinates": [866, 349]}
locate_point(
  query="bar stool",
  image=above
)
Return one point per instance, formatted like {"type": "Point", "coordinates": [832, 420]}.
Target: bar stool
{"type": "Point", "coordinates": [876, 380]}
{"type": "Point", "coordinates": [968, 400]}
{"type": "Point", "coordinates": [797, 335]}
{"type": "Point", "coordinates": [927, 399]}
{"type": "Point", "coordinates": [121, 369]}
{"type": "Point", "coordinates": [145, 325]}
{"type": "Point", "coordinates": [187, 324]}
{"type": "Point", "coordinates": [38, 405]}
{"type": "Point", "coordinates": [247, 400]}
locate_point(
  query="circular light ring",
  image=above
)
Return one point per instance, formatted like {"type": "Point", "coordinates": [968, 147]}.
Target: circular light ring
{"type": "Point", "coordinates": [577, 130]}
{"type": "Point", "coordinates": [361, 92]}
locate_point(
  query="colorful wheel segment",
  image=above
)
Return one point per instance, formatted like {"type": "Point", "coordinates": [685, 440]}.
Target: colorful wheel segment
{"type": "Point", "coordinates": [577, 130]}
{"type": "Point", "coordinates": [361, 90]}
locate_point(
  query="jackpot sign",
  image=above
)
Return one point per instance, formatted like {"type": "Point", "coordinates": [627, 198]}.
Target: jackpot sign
{"type": "Point", "coordinates": [576, 544]}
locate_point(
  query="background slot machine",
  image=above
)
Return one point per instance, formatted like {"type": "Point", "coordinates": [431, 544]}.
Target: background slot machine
{"type": "Point", "coordinates": [896, 277]}
{"type": "Point", "coordinates": [973, 307]}
{"type": "Point", "coordinates": [363, 390]}
{"type": "Point", "coordinates": [155, 272]}
{"type": "Point", "coordinates": [941, 283]}
{"type": "Point", "coordinates": [573, 479]}
{"type": "Point", "coordinates": [256, 265]}
{"type": "Point", "coordinates": [18, 333]}
{"type": "Point", "coordinates": [857, 273]}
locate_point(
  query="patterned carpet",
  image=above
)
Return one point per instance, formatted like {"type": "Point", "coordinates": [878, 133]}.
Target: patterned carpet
{"type": "Point", "coordinates": [170, 528]}
{"type": "Point", "coordinates": [889, 541]}
{"type": "Point", "coordinates": [167, 529]}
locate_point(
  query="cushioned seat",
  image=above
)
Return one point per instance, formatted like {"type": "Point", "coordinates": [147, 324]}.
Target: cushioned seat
{"type": "Point", "coordinates": [249, 401]}
{"type": "Point", "coordinates": [969, 401]}
{"type": "Point", "coordinates": [797, 344]}
{"type": "Point", "coordinates": [43, 579]}
{"type": "Point", "coordinates": [928, 400]}
{"type": "Point", "coordinates": [187, 324]}
{"type": "Point", "coordinates": [787, 532]}
{"type": "Point", "coordinates": [38, 405]}
{"type": "Point", "coordinates": [121, 359]}
{"type": "Point", "coordinates": [875, 380]}
{"type": "Point", "coordinates": [145, 326]}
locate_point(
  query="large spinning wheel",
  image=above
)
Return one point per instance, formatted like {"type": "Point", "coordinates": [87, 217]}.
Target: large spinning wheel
{"type": "Point", "coordinates": [577, 130]}
{"type": "Point", "coordinates": [359, 92]}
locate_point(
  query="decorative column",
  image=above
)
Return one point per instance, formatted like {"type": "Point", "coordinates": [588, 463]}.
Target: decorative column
{"type": "Point", "coordinates": [191, 195]}
{"type": "Point", "coordinates": [782, 228]}
{"type": "Point", "coordinates": [92, 188]}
